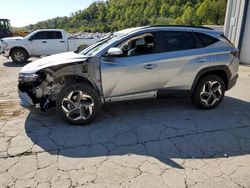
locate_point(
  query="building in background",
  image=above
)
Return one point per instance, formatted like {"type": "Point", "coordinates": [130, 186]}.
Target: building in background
{"type": "Point", "coordinates": [237, 27]}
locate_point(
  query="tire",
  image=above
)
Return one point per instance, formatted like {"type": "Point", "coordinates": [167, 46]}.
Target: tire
{"type": "Point", "coordinates": [19, 55]}
{"type": "Point", "coordinates": [78, 110]}
{"type": "Point", "coordinates": [209, 92]}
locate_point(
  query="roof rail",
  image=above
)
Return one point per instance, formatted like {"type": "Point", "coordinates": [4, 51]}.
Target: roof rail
{"type": "Point", "coordinates": [189, 26]}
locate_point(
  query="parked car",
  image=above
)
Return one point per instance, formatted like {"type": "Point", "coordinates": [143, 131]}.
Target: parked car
{"type": "Point", "coordinates": [136, 63]}
{"type": "Point", "coordinates": [41, 43]}
{"type": "Point", "coordinates": [5, 28]}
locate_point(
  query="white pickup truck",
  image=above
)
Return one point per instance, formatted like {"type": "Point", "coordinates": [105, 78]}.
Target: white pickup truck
{"type": "Point", "coordinates": [41, 42]}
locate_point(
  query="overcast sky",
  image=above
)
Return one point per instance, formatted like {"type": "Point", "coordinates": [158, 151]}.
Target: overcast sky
{"type": "Point", "coordinates": [25, 12]}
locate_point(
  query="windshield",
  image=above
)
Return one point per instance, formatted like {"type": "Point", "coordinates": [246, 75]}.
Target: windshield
{"type": "Point", "coordinates": [93, 49]}
{"type": "Point", "coordinates": [30, 34]}
{"type": "Point", "coordinates": [4, 24]}
{"type": "Point", "coordinates": [9, 26]}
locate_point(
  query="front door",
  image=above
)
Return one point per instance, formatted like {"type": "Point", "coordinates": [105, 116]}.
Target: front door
{"type": "Point", "coordinates": [135, 71]}
{"type": "Point", "coordinates": [39, 43]}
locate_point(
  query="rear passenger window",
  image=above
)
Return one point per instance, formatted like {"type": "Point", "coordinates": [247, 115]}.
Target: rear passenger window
{"type": "Point", "coordinates": [177, 41]}
{"type": "Point", "coordinates": [57, 35]}
{"type": "Point", "coordinates": [206, 40]}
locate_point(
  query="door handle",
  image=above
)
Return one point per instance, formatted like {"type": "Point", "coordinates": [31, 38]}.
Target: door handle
{"type": "Point", "coordinates": [201, 60]}
{"type": "Point", "coordinates": [61, 41]}
{"type": "Point", "coordinates": [44, 41]}
{"type": "Point", "coordinates": [150, 66]}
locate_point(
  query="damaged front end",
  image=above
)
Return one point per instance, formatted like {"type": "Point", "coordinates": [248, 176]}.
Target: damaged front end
{"type": "Point", "coordinates": [38, 90]}
{"type": "Point", "coordinates": [41, 81]}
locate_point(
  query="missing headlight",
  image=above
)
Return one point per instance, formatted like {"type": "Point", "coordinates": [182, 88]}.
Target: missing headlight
{"type": "Point", "coordinates": [27, 77]}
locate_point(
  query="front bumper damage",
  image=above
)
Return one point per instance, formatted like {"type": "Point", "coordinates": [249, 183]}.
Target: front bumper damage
{"type": "Point", "coordinates": [26, 85]}
{"type": "Point", "coordinates": [29, 100]}
{"type": "Point", "coordinates": [25, 100]}
{"type": "Point", "coordinates": [39, 87]}
{"type": "Point", "coordinates": [37, 91]}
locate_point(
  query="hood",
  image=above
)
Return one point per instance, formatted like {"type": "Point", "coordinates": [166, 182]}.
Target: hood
{"type": "Point", "coordinates": [11, 38]}
{"type": "Point", "coordinates": [53, 60]}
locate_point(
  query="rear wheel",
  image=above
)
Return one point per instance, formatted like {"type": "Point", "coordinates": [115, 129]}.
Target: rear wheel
{"type": "Point", "coordinates": [19, 55]}
{"type": "Point", "coordinates": [209, 92]}
{"type": "Point", "coordinates": [78, 103]}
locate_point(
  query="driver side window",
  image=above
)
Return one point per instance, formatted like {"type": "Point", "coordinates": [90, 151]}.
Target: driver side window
{"type": "Point", "coordinates": [40, 35]}
{"type": "Point", "coordinates": [139, 45]}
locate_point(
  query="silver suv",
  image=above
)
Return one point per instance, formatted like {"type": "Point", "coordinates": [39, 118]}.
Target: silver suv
{"type": "Point", "coordinates": [136, 63]}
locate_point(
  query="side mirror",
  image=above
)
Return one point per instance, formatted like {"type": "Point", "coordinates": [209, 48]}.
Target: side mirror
{"type": "Point", "coordinates": [114, 52]}
{"type": "Point", "coordinates": [30, 39]}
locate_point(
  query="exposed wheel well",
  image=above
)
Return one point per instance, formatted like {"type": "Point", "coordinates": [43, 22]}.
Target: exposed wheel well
{"type": "Point", "coordinates": [74, 78]}
{"type": "Point", "coordinates": [18, 47]}
{"type": "Point", "coordinates": [220, 73]}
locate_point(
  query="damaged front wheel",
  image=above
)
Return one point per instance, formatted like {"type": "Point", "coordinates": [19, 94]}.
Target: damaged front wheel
{"type": "Point", "coordinates": [78, 103]}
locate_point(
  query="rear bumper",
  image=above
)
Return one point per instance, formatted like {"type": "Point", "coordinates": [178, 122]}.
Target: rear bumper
{"type": "Point", "coordinates": [232, 82]}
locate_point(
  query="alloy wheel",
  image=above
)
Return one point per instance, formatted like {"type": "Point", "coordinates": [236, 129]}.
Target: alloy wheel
{"type": "Point", "coordinates": [77, 105]}
{"type": "Point", "coordinates": [19, 56]}
{"type": "Point", "coordinates": [211, 93]}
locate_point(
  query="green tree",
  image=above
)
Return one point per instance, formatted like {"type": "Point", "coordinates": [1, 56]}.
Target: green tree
{"type": "Point", "coordinates": [188, 16]}
{"type": "Point", "coordinates": [165, 10]}
{"type": "Point", "coordinates": [113, 15]}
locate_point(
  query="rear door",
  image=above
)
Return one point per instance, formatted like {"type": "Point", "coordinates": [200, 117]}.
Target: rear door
{"type": "Point", "coordinates": [183, 54]}
{"type": "Point", "coordinates": [57, 43]}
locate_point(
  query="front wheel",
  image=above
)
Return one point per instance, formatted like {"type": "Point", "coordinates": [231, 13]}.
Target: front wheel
{"type": "Point", "coordinates": [78, 103]}
{"type": "Point", "coordinates": [209, 92]}
{"type": "Point", "coordinates": [19, 56]}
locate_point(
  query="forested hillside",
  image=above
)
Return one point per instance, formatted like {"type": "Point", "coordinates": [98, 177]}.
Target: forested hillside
{"type": "Point", "coordinates": [111, 15]}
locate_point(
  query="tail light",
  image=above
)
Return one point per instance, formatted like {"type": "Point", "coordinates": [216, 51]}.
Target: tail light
{"type": "Point", "coordinates": [236, 54]}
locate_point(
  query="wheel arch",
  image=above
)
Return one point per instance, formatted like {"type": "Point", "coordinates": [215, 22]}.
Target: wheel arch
{"type": "Point", "coordinates": [75, 72]}
{"type": "Point", "coordinates": [222, 71]}
{"type": "Point", "coordinates": [77, 78]}
{"type": "Point", "coordinates": [19, 47]}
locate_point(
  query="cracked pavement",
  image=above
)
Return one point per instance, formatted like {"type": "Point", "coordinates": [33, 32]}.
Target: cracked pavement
{"type": "Point", "coordinates": [147, 143]}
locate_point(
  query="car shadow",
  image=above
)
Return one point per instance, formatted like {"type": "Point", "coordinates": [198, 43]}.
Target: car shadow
{"type": "Point", "coordinates": [245, 64]}
{"type": "Point", "coordinates": [12, 64]}
{"type": "Point", "coordinates": [165, 129]}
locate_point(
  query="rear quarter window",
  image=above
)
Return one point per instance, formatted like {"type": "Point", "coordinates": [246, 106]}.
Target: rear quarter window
{"type": "Point", "coordinates": [205, 39]}
{"type": "Point", "coordinates": [177, 41]}
{"type": "Point", "coordinates": [226, 39]}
